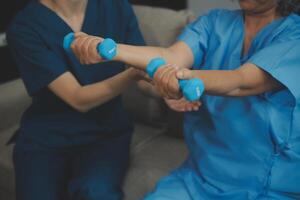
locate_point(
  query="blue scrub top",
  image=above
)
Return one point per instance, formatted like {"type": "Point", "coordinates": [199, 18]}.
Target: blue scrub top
{"type": "Point", "coordinates": [245, 147]}
{"type": "Point", "coordinates": [35, 38]}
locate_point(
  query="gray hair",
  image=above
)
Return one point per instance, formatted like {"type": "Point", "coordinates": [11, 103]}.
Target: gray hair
{"type": "Point", "coordinates": [287, 7]}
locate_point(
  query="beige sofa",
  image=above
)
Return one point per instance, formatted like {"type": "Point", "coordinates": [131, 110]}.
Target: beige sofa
{"type": "Point", "coordinates": [157, 146]}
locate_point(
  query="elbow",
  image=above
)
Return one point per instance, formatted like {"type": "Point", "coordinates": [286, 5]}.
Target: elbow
{"type": "Point", "coordinates": [79, 105]}
{"type": "Point", "coordinates": [81, 108]}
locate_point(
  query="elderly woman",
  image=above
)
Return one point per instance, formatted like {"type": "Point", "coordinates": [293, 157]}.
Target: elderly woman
{"type": "Point", "coordinates": [244, 142]}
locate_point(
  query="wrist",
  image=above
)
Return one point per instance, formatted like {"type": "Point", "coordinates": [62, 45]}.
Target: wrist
{"type": "Point", "coordinates": [193, 74]}
{"type": "Point", "coordinates": [118, 56]}
{"type": "Point", "coordinates": [134, 74]}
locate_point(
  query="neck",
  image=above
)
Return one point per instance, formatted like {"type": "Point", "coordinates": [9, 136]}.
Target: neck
{"type": "Point", "coordinates": [66, 8]}
{"type": "Point", "coordinates": [256, 21]}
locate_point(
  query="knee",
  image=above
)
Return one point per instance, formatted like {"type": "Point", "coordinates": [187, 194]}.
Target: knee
{"type": "Point", "coordinates": [94, 190]}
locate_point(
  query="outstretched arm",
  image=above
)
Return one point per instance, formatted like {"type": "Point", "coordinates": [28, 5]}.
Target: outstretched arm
{"type": "Point", "coordinates": [245, 81]}
{"type": "Point", "coordinates": [179, 54]}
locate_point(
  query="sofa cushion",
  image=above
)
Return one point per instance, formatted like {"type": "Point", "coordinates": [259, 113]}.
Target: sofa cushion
{"type": "Point", "coordinates": [153, 160]}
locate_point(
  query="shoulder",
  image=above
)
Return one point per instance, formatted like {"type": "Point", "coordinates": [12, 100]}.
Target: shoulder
{"type": "Point", "coordinates": [289, 28]}
{"type": "Point", "coordinates": [294, 17]}
{"type": "Point", "coordinates": [294, 21]}
{"type": "Point", "coordinates": [217, 18]}
{"type": "Point", "coordinates": [23, 22]}
{"type": "Point", "coordinates": [220, 15]}
{"type": "Point", "coordinates": [27, 14]}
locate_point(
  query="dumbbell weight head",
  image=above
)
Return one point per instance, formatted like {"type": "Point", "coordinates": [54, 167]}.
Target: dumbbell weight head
{"type": "Point", "coordinates": [153, 65]}
{"type": "Point", "coordinates": [107, 49]}
{"type": "Point", "coordinates": [68, 40]}
{"type": "Point", "coordinates": [192, 89]}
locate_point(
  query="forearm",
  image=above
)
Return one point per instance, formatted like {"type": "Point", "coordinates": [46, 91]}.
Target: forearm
{"type": "Point", "coordinates": [139, 56]}
{"type": "Point", "coordinates": [245, 81]}
{"type": "Point", "coordinates": [94, 95]}
{"type": "Point", "coordinates": [85, 48]}
{"type": "Point", "coordinates": [178, 54]}
{"type": "Point", "coordinates": [219, 82]}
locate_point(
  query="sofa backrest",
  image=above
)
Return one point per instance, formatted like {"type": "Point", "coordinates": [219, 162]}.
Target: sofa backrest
{"type": "Point", "coordinates": [160, 26]}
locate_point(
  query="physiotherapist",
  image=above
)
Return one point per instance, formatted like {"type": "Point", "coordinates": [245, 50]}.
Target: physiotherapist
{"type": "Point", "coordinates": [74, 139]}
{"type": "Point", "coordinates": [244, 142]}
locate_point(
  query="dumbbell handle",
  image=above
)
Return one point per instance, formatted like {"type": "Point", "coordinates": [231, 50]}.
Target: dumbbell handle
{"type": "Point", "coordinates": [191, 89]}
{"type": "Point", "coordinates": [107, 49]}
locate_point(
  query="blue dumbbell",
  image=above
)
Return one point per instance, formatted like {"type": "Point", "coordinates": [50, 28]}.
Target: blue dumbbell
{"type": "Point", "coordinates": [191, 89]}
{"type": "Point", "coordinates": [107, 48]}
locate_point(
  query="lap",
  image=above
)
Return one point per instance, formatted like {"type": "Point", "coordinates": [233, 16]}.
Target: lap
{"type": "Point", "coordinates": [100, 169]}
{"type": "Point", "coordinates": [39, 174]}
{"type": "Point", "coordinates": [91, 171]}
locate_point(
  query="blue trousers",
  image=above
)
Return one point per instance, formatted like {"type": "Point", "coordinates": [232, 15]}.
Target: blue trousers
{"type": "Point", "coordinates": [92, 172]}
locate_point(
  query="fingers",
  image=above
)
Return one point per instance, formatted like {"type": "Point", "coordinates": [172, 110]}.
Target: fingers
{"type": "Point", "coordinates": [182, 105]}
{"type": "Point", "coordinates": [166, 82]}
{"type": "Point", "coordinates": [173, 87]}
{"type": "Point", "coordinates": [192, 106]}
{"type": "Point", "coordinates": [146, 77]}
{"type": "Point", "coordinates": [76, 46]}
{"type": "Point", "coordinates": [184, 74]}
{"type": "Point", "coordinates": [157, 80]}
{"type": "Point", "coordinates": [91, 51]}
{"type": "Point", "coordinates": [140, 75]}
{"type": "Point", "coordinates": [85, 48]}
{"type": "Point", "coordinates": [81, 45]}
{"type": "Point", "coordinates": [175, 105]}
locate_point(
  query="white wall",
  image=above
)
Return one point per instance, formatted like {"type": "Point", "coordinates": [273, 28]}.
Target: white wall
{"type": "Point", "coordinates": [201, 6]}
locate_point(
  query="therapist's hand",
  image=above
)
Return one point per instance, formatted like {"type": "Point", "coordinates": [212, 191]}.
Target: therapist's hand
{"type": "Point", "coordinates": [85, 48]}
{"type": "Point", "coordinates": [182, 105]}
{"type": "Point", "coordinates": [139, 75]}
{"type": "Point", "coordinates": [166, 82]}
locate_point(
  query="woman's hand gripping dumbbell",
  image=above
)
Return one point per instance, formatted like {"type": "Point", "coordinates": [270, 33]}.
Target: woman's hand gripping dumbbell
{"type": "Point", "coordinates": [191, 89]}
{"type": "Point", "coordinates": [106, 48]}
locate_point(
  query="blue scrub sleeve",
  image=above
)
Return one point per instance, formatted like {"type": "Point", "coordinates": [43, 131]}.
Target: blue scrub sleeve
{"type": "Point", "coordinates": [282, 61]}
{"type": "Point", "coordinates": [133, 33]}
{"type": "Point", "coordinates": [38, 65]}
{"type": "Point", "coordinates": [196, 36]}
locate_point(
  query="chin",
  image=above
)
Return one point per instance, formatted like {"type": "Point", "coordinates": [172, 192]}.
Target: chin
{"type": "Point", "coordinates": [248, 5]}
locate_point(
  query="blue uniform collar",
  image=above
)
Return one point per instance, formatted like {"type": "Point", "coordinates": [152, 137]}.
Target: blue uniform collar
{"type": "Point", "coordinates": [53, 19]}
